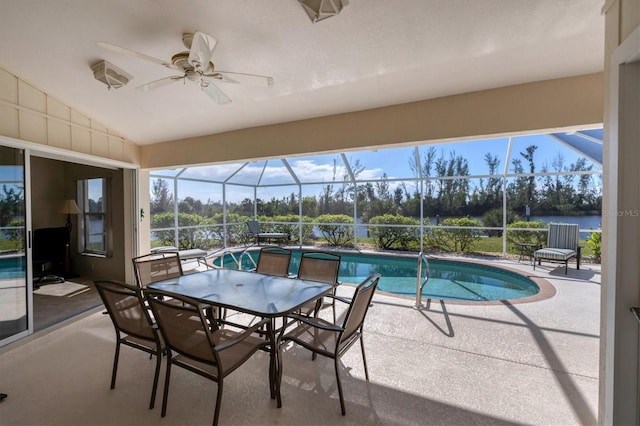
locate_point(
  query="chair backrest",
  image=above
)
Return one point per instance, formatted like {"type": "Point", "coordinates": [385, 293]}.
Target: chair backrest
{"type": "Point", "coordinates": [274, 261]}
{"type": "Point", "coordinates": [563, 236]}
{"type": "Point", "coordinates": [359, 306]}
{"type": "Point", "coordinates": [319, 266]}
{"type": "Point", "coordinates": [154, 267]}
{"type": "Point", "coordinates": [126, 308]}
{"type": "Point", "coordinates": [183, 326]}
{"type": "Point", "coordinates": [254, 226]}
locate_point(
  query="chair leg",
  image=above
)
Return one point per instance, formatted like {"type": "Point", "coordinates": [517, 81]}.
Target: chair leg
{"type": "Point", "coordinates": [275, 376]}
{"type": "Point", "coordinates": [216, 414]}
{"type": "Point", "coordinates": [114, 372]}
{"type": "Point", "coordinates": [165, 394]}
{"type": "Point", "coordinates": [335, 363]}
{"type": "Point", "coordinates": [155, 380]}
{"type": "Point", "coordinates": [333, 306]}
{"type": "Point", "coordinates": [364, 359]}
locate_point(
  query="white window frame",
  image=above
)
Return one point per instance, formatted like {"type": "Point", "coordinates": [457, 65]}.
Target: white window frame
{"type": "Point", "coordinates": [84, 236]}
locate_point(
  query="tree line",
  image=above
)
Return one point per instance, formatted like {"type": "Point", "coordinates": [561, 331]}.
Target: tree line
{"type": "Point", "coordinates": [448, 192]}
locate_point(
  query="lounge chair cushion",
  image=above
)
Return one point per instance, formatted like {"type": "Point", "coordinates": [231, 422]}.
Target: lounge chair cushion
{"type": "Point", "coordinates": [555, 254]}
{"type": "Point", "coordinates": [184, 254]}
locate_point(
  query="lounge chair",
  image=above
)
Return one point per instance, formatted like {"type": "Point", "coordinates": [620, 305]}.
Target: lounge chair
{"type": "Point", "coordinates": [562, 245]}
{"type": "Point", "coordinates": [254, 232]}
{"type": "Point", "coordinates": [198, 255]}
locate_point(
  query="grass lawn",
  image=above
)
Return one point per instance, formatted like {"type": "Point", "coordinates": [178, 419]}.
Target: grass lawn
{"type": "Point", "coordinates": [494, 245]}
{"type": "Point", "coordinates": [483, 245]}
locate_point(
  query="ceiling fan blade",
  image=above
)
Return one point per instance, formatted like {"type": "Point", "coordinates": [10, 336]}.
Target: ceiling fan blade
{"type": "Point", "coordinates": [239, 78]}
{"type": "Point", "coordinates": [159, 83]}
{"type": "Point", "coordinates": [201, 51]}
{"type": "Point", "coordinates": [214, 93]}
{"type": "Point", "coordinates": [138, 55]}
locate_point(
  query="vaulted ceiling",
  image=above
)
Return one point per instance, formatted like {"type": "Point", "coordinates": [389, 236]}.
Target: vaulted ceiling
{"type": "Point", "coordinates": [373, 54]}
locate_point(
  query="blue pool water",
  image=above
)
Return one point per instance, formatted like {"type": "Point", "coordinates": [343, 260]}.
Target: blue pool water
{"type": "Point", "coordinates": [12, 267]}
{"type": "Point", "coordinates": [448, 280]}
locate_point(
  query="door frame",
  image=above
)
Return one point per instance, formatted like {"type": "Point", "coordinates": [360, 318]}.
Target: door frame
{"type": "Point", "coordinates": [131, 172]}
{"type": "Point", "coordinates": [620, 336]}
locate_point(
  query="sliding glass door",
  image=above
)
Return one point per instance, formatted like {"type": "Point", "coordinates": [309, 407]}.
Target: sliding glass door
{"type": "Point", "coordinates": [14, 300]}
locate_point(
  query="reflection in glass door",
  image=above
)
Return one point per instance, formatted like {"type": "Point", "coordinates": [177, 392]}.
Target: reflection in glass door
{"type": "Point", "coordinates": [13, 260]}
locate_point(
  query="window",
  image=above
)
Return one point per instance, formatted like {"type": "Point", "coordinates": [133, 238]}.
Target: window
{"type": "Point", "coordinates": [92, 194]}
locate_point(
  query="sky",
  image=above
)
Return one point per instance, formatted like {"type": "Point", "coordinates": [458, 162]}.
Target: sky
{"type": "Point", "coordinates": [319, 168]}
{"type": "Point", "coordinates": [392, 161]}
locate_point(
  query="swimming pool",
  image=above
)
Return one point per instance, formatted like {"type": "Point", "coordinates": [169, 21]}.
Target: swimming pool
{"type": "Point", "coordinates": [448, 279]}
{"type": "Point", "coordinates": [12, 266]}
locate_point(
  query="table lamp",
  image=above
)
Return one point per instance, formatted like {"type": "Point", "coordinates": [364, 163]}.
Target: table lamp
{"type": "Point", "coordinates": [69, 207]}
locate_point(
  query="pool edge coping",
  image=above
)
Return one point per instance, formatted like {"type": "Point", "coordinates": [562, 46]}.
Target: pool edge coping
{"type": "Point", "coordinates": [547, 289]}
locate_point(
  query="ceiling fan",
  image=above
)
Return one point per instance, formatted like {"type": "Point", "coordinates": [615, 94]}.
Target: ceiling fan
{"type": "Point", "coordinates": [196, 66]}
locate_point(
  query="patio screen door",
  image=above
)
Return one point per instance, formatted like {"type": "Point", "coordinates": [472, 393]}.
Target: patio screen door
{"type": "Point", "coordinates": [14, 300]}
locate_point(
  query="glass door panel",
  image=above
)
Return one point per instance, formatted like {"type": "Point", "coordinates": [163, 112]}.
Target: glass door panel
{"type": "Point", "coordinates": [13, 260]}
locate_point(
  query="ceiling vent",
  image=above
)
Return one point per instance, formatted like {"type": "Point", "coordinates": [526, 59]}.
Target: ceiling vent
{"type": "Point", "coordinates": [110, 75]}
{"type": "Point", "coordinates": [322, 9]}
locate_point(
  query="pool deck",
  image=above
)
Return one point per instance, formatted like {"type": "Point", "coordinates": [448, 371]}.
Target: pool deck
{"type": "Point", "coordinates": [453, 364]}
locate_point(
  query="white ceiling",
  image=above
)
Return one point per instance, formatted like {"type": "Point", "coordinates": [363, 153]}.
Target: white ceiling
{"type": "Point", "coordinates": [374, 53]}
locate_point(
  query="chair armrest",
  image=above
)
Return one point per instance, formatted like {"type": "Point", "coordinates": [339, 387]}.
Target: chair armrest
{"type": "Point", "coordinates": [242, 336]}
{"type": "Point", "coordinates": [315, 323]}
{"type": "Point", "coordinates": [339, 298]}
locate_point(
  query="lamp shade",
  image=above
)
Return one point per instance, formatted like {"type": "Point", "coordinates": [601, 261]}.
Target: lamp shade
{"type": "Point", "coordinates": [70, 207]}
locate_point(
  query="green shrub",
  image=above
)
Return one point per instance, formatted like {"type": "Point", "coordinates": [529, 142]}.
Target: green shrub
{"type": "Point", "coordinates": [451, 239]}
{"type": "Point", "coordinates": [333, 230]}
{"type": "Point", "coordinates": [290, 228]}
{"type": "Point", "coordinates": [399, 237]}
{"type": "Point", "coordinates": [514, 237]}
{"type": "Point", "coordinates": [16, 236]}
{"type": "Point", "coordinates": [493, 218]}
{"type": "Point", "coordinates": [187, 238]}
{"type": "Point", "coordinates": [594, 242]}
{"type": "Point", "coordinates": [235, 230]}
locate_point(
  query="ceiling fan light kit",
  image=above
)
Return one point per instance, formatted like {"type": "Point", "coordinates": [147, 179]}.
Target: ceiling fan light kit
{"type": "Point", "coordinates": [110, 75]}
{"type": "Point", "coordinates": [322, 9]}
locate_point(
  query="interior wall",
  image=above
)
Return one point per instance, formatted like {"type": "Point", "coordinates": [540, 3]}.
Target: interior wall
{"type": "Point", "coordinates": [47, 193]}
{"type": "Point", "coordinates": [573, 102]}
{"type": "Point", "coordinates": [54, 181]}
{"type": "Point", "coordinates": [144, 203]}
{"type": "Point", "coordinates": [619, 338]}
{"type": "Point", "coordinates": [30, 114]}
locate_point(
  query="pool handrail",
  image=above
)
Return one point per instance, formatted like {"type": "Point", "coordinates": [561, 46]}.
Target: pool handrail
{"type": "Point", "coordinates": [423, 263]}
{"type": "Point", "coordinates": [220, 254]}
{"type": "Point", "coordinates": [236, 260]}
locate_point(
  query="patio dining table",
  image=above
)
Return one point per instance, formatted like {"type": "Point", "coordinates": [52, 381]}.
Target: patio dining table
{"type": "Point", "coordinates": [253, 293]}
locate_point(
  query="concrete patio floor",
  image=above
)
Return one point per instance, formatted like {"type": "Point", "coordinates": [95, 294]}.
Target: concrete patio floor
{"type": "Point", "coordinates": [453, 364]}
